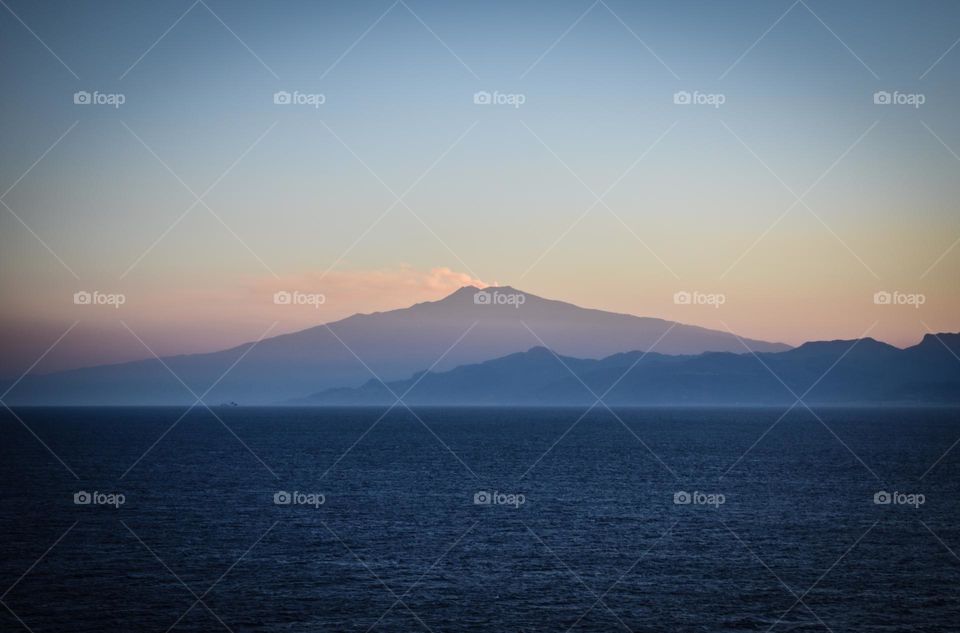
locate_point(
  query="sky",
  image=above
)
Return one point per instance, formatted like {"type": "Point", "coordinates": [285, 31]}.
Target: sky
{"type": "Point", "coordinates": [788, 184]}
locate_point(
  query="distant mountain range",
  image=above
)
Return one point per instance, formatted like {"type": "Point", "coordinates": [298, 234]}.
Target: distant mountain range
{"type": "Point", "coordinates": [862, 371]}
{"type": "Point", "coordinates": [488, 324]}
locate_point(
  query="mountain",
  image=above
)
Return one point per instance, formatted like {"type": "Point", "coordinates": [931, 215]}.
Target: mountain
{"type": "Point", "coordinates": [863, 371]}
{"type": "Point", "coordinates": [393, 344]}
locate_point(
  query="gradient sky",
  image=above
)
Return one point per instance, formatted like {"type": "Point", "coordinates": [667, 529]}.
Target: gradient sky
{"type": "Point", "coordinates": [497, 191]}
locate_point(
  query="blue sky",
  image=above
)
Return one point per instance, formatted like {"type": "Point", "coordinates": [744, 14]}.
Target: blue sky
{"type": "Point", "coordinates": [501, 194]}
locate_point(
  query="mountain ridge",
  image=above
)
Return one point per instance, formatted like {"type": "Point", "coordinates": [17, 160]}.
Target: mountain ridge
{"type": "Point", "coordinates": [857, 371]}
{"type": "Point", "coordinates": [393, 343]}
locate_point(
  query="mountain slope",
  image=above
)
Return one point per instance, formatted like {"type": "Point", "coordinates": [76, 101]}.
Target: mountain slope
{"type": "Point", "coordinates": [862, 371]}
{"type": "Point", "coordinates": [393, 344]}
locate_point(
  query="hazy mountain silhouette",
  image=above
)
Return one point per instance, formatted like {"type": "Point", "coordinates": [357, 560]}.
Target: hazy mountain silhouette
{"type": "Point", "coordinates": [393, 344]}
{"type": "Point", "coordinates": [862, 371]}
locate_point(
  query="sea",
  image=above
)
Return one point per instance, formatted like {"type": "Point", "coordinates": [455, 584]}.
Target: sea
{"type": "Point", "coordinates": [479, 519]}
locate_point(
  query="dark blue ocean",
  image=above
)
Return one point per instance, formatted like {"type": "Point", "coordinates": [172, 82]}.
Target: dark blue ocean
{"type": "Point", "coordinates": [479, 520]}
